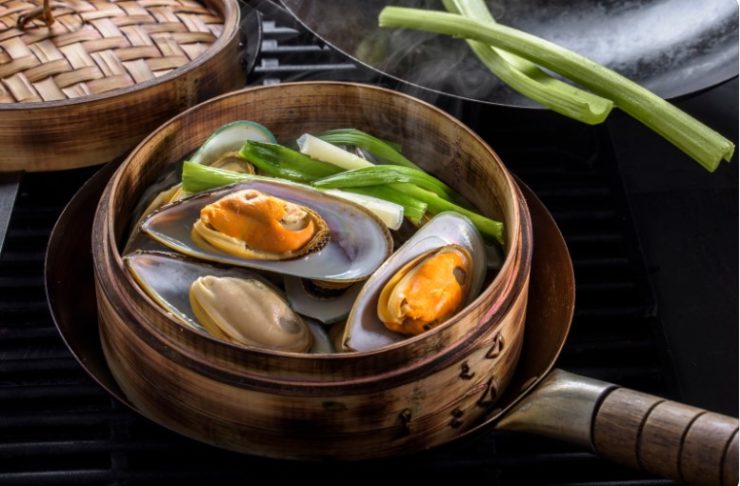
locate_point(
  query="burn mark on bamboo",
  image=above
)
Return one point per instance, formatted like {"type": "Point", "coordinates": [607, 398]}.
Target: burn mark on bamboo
{"type": "Point", "coordinates": [497, 347]}
{"type": "Point", "coordinates": [465, 373]}
{"type": "Point", "coordinates": [332, 406]}
{"type": "Point", "coordinates": [405, 418]}
{"type": "Point", "coordinates": [490, 394]}
{"type": "Point", "coordinates": [457, 414]}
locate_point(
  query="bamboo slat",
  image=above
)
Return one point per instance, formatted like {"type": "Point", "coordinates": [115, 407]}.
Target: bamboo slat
{"type": "Point", "coordinates": [106, 73]}
{"type": "Point", "coordinates": [99, 26]}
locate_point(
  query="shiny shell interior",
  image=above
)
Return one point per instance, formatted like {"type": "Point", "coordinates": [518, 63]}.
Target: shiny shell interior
{"type": "Point", "coordinates": [364, 330]}
{"type": "Point", "coordinates": [328, 307]}
{"type": "Point", "coordinates": [358, 242]}
{"type": "Point", "coordinates": [168, 280]}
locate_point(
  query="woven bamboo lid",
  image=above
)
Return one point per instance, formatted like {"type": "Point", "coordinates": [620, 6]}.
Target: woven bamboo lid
{"type": "Point", "coordinates": [105, 73]}
{"type": "Point", "coordinates": [95, 46]}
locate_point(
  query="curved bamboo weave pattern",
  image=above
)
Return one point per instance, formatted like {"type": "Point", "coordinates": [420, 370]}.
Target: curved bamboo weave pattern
{"type": "Point", "coordinates": [96, 46]}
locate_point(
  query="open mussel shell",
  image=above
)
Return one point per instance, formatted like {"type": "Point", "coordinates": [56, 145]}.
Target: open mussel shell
{"type": "Point", "coordinates": [327, 306]}
{"type": "Point", "coordinates": [322, 343]}
{"type": "Point", "coordinates": [230, 138]}
{"type": "Point", "coordinates": [358, 242]}
{"type": "Point", "coordinates": [167, 279]}
{"type": "Point", "coordinates": [364, 330]}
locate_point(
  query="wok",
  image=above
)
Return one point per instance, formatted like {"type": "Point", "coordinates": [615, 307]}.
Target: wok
{"type": "Point", "coordinates": [672, 47]}
{"type": "Point", "coordinates": [624, 425]}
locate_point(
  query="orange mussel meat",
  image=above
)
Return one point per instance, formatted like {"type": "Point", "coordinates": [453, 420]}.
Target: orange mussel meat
{"type": "Point", "coordinates": [426, 292]}
{"type": "Point", "coordinates": [255, 225]}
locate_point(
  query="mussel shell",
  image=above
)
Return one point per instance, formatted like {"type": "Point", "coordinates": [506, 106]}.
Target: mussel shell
{"type": "Point", "coordinates": [328, 309]}
{"type": "Point", "coordinates": [167, 278]}
{"type": "Point", "coordinates": [364, 330]}
{"type": "Point", "coordinates": [322, 343]}
{"type": "Point", "coordinates": [207, 237]}
{"type": "Point", "coordinates": [359, 242]}
{"type": "Point", "coordinates": [394, 293]}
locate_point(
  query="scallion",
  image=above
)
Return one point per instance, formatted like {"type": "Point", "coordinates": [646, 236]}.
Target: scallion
{"type": "Point", "coordinates": [413, 209]}
{"type": "Point", "coordinates": [321, 150]}
{"type": "Point", "coordinates": [697, 140]}
{"type": "Point", "coordinates": [389, 212]}
{"type": "Point", "coordinates": [382, 149]}
{"type": "Point", "coordinates": [527, 78]}
{"type": "Point", "coordinates": [285, 163]}
{"type": "Point", "coordinates": [489, 228]}
{"type": "Point", "coordinates": [198, 177]}
{"type": "Point", "coordinates": [387, 174]}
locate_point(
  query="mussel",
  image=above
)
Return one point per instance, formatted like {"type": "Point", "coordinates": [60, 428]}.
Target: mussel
{"type": "Point", "coordinates": [220, 150]}
{"type": "Point", "coordinates": [446, 255]}
{"type": "Point", "coordinates": [232, 304]}
{"type": "Point", "coordinates": [247, 311]}
{"type": "Point", "coordinates": [339, 241]}
{"type": "Point", "coordinates": [426, 291]}
{"type": "Point", "coordinates": [250, 224]}
{"type": "Point", "coordinates": [230, 138]}
{"type": "Point", "coordinates": [324, 304]}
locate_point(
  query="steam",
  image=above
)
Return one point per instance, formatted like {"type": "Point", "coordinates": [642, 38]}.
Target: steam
{"type": "Point", "coordinates": [641, 39]}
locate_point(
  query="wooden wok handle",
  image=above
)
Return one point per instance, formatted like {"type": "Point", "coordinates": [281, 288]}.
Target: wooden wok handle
{"type": "Point", "coordinates": [666, 438]}
{"type": "Point", "coordinates": [633, 428]}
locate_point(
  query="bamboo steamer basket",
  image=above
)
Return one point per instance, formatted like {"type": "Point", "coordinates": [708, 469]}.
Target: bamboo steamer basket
{"type": "Point", "coordinates": [106, 73]}
{"type": "Point", "coordinates": [414, 395]}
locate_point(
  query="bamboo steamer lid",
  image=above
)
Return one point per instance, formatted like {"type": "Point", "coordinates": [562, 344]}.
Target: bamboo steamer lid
{"type": "Point", "coordinates": [105, 73]}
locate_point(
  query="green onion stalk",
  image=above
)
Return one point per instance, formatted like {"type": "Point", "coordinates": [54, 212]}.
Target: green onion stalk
{"type": "Point", "coordinates": [413, 209]}
{"type": "Point", "coordinates": [387, 174]}
{"type": "Point", "coordinates": [697, 140]}
{"type": "Point", "coordinates": [282, 162]}
{"type": "Point", "coordinates": [527, 78]}
{"type": "Point", "coordinates": [489, 228]}
{"type": "Point", "coordinates": [382, 149]}
{"type": "Point", "coordinates": [198, 178]}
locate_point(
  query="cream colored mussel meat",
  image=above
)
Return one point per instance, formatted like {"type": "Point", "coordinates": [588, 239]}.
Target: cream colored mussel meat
{"type": "Point", "coordinates": [206, 306]}
{"type": "Point", "coordinates": [248, 312]}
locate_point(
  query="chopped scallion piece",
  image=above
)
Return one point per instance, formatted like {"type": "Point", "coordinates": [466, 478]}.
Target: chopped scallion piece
{"type": "Point", "coordinates": [413, 209]}
{"type": "Point", "coordinates": [198, 177]}
{"type": "Point", "coordinates": [324, 151]}
{"type": "Point", "coordinates": [388, 212]}
{"type": "Point", "coordinates": [382, 149]}
{"type": "Point", "coordinates": [387, 174]}
{"type": "Point", "coordinates": [279, 161]}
